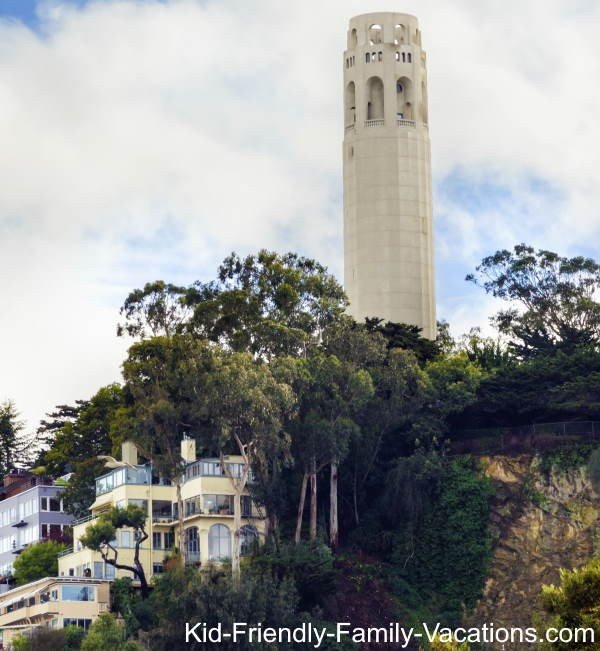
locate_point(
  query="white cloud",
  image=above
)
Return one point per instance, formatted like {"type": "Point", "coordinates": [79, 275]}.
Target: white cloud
{"type": "Point", "coordinates": [144, 140]}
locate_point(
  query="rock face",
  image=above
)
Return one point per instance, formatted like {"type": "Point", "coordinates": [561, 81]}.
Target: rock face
{"type": "Point", "coordinates": [542, 523]}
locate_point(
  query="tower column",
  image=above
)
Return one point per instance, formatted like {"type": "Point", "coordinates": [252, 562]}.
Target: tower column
{"type": "Point", "coordinates": [388, 230]}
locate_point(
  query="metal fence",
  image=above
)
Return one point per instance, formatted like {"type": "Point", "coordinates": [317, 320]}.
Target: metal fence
{"type": "Point", "coordinates": [524, 439]}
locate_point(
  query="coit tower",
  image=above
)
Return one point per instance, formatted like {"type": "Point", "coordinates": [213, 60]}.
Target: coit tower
{"type": "Point", "coordinates": [388, 239]}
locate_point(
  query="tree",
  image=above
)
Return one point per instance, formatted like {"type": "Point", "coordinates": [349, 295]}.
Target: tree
{"type": "Point", "coordinates": [407, 337]}
{"type": "Point", "coordinates": [14, 448]}
{"type": "Point", "coordinates": [451, 388]}
{"type": "Point", "coordinates": [81, 431]}
{"type": "Point", "coordinates": [266, 304]}
{"type": "Point", "coordinates": [100, 534]}
{"type": "Point", "coordinates": [553, 299]}
{"type": "Point", "coordinates": [159, 309]}
{"type": "Point", "coordinates": [46, 639]}
{"type": "Point", "coordinates": [107, 633]}
{"type": "Point", "coordinates": [213, 598]}
{"type": "Point", "coordinates": [247, 408]}
{"type": "Point", "coordinates": [166, 384]}
{"type": "Point", "coordinates": [574, 604]}
{"type": "Point", "coordinates": [37, 561]}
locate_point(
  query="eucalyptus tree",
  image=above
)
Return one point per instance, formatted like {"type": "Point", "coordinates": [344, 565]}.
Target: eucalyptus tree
{"type": "Point", "coordinates": [552, 300]}
{"type": "Point", "coordinates": [247, 408]}
{"type": "Point", "coordinates": [165, 382]}
{"type": "Point", "coordinates": [266, 304]}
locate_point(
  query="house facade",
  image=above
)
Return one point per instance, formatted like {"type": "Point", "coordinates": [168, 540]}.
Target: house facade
{"type": "Point", "coordinates": [31, 510]}
{"type": "Point", "coordinates": [51, 602]}
{"type": "Point", "coordinates": [207, 492]}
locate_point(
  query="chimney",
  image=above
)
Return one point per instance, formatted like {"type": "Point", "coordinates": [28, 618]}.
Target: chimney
{"type": "Point", "coordinates": [188, 450]}
{"type": "Point", "coordinates": [129, 453]}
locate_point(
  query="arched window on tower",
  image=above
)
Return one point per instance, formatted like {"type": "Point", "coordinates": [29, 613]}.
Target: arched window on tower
{"type": "Point", "coordinates": [350, 105]}
{"type": "Point", "coordinates": [397, 56]}
{"type": "Point", "coordinates": [399, 34]}
{"type": "Point", "coordinates": [409, 55]}
{"type": "Point", "coordinates": [379, 56]}
{"type": "Point", "coordinates": [403, 57]}
{"type": "Point", "coordinates": [375, 106]}
{"type": "Point", "coordinates": [352, 39]}
{"type": "Point", "coordinates": [404, 99]}
{"type": "Point", "coordinates": [367, 57]}
{"type": "Point", "coordinates": [375, 34]}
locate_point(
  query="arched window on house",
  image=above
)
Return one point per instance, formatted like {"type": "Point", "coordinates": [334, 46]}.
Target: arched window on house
{"type": "Point", "coordinates": [219, 542]}
{"type": "Point", "coordinates": [192, 546]}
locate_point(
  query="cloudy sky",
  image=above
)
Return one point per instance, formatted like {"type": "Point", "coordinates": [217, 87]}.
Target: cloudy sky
{"type": "Point", "coordinates": [144, 140]}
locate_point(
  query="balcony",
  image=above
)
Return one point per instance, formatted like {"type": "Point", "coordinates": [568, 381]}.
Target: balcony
{"type": "Point", "coordinates": [401, 122]}
{"type": "Point", "coordinates": [374, 123]}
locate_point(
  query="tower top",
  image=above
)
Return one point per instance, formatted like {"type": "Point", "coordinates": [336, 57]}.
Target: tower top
{"type": "Point", "coordinates": [383, 27]}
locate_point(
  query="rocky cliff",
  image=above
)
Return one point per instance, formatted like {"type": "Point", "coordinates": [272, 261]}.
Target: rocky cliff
{"type": "Point", "coordinates": [542, 521]}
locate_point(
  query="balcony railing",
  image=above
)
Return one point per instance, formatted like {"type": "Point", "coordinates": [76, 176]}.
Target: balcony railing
{"type": "Point", "coordinates": [406, 123]}
{"type": "Point", "coordinates": [86, 518]}
{"type": "Point", "coordinates": [374, 123]}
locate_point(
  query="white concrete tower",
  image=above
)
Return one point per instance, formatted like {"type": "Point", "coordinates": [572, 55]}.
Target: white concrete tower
{"type": "Point", "coordinates": [388, 230]}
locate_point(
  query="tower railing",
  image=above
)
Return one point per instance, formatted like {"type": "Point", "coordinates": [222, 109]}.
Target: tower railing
{"type": "Point", "coordinates": [406, 123]}
{"type": "Point", "coordinates": [374, 123]}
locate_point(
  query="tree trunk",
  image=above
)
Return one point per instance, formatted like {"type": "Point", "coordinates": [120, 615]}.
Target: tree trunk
{"type": "Point", "coordinates": [313, 502]}
{"type": "Point", "coordinates": [182, 552]}
{"type": "Point", "coordinates": [140, 568]}
{"type": "Point", "coordinates": [355, 492]}
{"type": "Point", "coordinates": [301, 508]}
{"type": "Point", "coordinates": [333, 505]}
{"type": "Point", "coordinates": [237, 525]}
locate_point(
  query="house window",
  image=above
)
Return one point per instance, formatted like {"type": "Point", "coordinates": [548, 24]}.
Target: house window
{"type": "Point", "coordinates": [192, 545]}
{"type": "Point", "coordinates": [246, 504]}
{"type": "Point", "coordinates": [125, 538]}
{"type": "Point", "coordinates": [219, 542]}
{"type": "Point", "coordinates": [169, 538]}
{"type": "Point", "coordinates": [78, 593]}
{"type": "Point", "coordinates": [218, 504]}
{"type": "Point", "coordinates": [158, 568]}
{"type": "Point", "coordinates": [51, 504]}
{"type": "Point", "coordinates": [72, 621]}
{"type": "Point", "coordinates": [248, 536]}
{"type": "Point", "coordinates": [157, 540]}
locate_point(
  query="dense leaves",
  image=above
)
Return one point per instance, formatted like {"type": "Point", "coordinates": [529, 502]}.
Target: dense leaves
{"type": "Point", "coordinates": [37, 561]}
{"type": "Point", "coordinates": [553, 299]}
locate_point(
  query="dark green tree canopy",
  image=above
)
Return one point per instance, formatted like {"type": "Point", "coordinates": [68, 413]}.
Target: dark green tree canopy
{"type": "Point", "coordinates": [10, 429]}
{"type": "Point", "coordinates": [553, 299]}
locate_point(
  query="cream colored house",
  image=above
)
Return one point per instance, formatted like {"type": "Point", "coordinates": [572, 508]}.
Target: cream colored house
{"type": "Point", "coordinates": [208, 516]}
{"type": "Point", "coordinates": [52, 602]}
